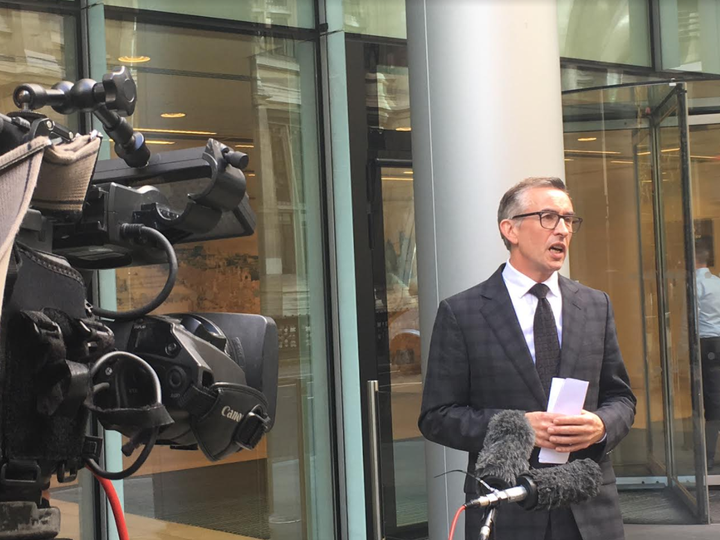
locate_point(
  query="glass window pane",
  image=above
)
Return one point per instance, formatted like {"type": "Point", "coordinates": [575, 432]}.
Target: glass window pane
{"type": "Point", "coordinates": [574, 77]}
{"type": "Point", "coordinates": [26, 58]}
{"type": "Point", "coordinates": [384, 18]}
{"type": "Point", "coordinates": [296, 13]}
{"type": "Point", "coordinates": [688, 32]}
{"type": "Point", "coordinates": [256, 94]}
{"type": "Point", "coordinates": [609, 31]}
{"type": "Point", "coordinates": [388, 97]}
{"type": "Point", "coordinates": [404, 391]}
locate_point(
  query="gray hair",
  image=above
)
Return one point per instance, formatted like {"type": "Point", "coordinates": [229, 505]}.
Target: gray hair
{"type": "Point", "coordinates": [514, 200]}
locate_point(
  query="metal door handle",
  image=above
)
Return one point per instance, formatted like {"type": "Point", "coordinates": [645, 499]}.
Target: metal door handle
{"type": "Point", "coordinates": [372, 405]}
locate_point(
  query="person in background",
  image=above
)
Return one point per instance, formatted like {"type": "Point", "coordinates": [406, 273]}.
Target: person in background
{"type": "Point", "coordinates": [708, 296]}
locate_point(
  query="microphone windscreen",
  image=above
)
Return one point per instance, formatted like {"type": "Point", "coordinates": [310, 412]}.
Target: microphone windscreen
{"type": "Point", "coordinates": [506, 451]}
{"type": "Point", "coordinates": [561, 486]}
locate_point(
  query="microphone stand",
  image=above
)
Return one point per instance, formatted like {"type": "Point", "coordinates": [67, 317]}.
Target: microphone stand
{"type": "Point", "coordinates": [490, 516]}
{"type": "Point", "coordinates": [487, 526]}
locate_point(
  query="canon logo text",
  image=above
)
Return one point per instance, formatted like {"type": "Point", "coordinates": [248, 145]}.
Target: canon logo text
{"type": "Point", "coordinates": [227, 412]}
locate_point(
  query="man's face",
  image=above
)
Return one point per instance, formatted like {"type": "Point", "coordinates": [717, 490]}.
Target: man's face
{"type": "Point", "coordinates": [538, 252]}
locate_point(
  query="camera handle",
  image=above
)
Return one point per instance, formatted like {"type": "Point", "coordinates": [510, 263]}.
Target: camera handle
{"type": "Point", "coordinates": [159, 417]}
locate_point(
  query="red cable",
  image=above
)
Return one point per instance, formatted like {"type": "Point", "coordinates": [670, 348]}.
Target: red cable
{"type": "Point", "coordinates": [117, 510]}
{"type": "Point", "coordinates": [455, 520]}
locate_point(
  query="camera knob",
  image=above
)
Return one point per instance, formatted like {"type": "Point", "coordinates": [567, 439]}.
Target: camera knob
{"type": "Point", "coordinates": [175, 378]}
{"type": "Point", "coordinates": [239, 160]}
{"type": "Point", "coordinates": [120, 91]}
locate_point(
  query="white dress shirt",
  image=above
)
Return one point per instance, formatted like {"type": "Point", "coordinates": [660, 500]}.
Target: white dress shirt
{"type": "Point", "coordinates": [708, 295]}
{"type": "Point", "coordinates": [525, 303]}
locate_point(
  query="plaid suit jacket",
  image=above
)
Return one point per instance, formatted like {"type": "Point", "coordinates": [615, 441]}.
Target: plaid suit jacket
{"type": "Point", "coordinates": [479, 364]}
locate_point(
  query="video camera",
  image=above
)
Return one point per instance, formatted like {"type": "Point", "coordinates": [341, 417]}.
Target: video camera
{"type": "Point", "coordinates": [203, 381]}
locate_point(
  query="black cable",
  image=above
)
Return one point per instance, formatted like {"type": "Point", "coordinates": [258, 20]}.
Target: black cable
{"type": "Point", "coordinates": [91, 464]}
{"type": "Point", "coordinates": [136, 230]}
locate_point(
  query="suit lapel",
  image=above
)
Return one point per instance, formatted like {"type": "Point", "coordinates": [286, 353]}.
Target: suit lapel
{"type": "Point", "coordinates": [502, 319]}
{"type": "Point", "coordinates": [573, 324]}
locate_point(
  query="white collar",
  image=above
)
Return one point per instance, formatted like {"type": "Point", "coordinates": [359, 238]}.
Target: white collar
{"type": "Point", "coordinates": [518, 284]}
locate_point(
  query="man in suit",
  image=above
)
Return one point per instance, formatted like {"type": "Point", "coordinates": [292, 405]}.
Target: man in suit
{"type": "Point", "coordinates": [497, 345]}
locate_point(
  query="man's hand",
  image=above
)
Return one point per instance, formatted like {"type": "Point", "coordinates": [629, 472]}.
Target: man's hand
{"type": "Point", "coordinates": [541, 422]}
{"type": "Point", "coordinates": [573, 433]}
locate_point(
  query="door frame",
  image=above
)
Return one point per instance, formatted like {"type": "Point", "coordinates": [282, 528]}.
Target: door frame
{"type": "Point", "coordinates": [370, 146]}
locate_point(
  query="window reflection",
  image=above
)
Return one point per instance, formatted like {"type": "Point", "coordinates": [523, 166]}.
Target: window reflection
{"type": "Point", "coordinates": [614, 31]}
{"type": "Point", "coordinates": [38, 48]}
{"type": "Point", "coordinates": [255, 94]}
{"type": "Point", "coordinates": [689, 35]}
{"type": "Point", "coordinates": [384, 18]}
{"type": "Point", "coordinates": [297, 13]}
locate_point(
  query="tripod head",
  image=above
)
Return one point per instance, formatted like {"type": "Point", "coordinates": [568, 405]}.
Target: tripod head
{"type": "Point", "coordinates": [109, 100]}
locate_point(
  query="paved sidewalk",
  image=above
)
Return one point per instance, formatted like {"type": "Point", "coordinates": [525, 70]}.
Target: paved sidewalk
{"type": "Point", "coordinates": [672, 532]}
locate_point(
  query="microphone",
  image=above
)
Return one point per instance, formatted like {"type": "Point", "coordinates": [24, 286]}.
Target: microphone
{"type": "Point", "coordinates": [549, 488]}
{"type": "Point", "coordinates": [506, 451]}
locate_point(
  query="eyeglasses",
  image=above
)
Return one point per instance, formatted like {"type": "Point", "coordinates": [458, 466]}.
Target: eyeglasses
{"type": "Point", "coordinates": [550, 220]}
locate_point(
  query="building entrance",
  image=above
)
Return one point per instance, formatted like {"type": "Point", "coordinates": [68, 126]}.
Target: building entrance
{"type": "Point", "coordinates": [386, 280]}
{"type": "Point", "coordinates": [630, 170]}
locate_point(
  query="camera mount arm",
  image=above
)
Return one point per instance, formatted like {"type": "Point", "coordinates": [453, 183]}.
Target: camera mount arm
{"type": "Point", "coordinates": [109, 100]}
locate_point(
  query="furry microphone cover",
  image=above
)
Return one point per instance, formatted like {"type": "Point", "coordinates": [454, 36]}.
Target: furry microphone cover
{"type": "Point", "coordinates": [572, 483]}
{"type": "Point", "coordinates": [506, 452]}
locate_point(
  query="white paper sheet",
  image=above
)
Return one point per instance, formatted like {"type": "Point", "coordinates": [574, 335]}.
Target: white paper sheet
{"type": "Point", "coordinates": [567, 396]}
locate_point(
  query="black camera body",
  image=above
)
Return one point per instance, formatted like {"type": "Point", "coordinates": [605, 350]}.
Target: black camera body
{"type": "Point", "coordinates": [214, 373]}
{"type": "Point", "coordinates": [203, 381]}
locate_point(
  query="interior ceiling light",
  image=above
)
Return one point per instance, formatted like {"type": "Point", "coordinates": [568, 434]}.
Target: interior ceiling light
{"type": "Point", "coordinates": [670, 150]}
{"type": "Point", "coordinates": [407, 172]}
{"type": "Point", "coordinates": [399, 178]}
{"type": "Point", "coordinates": [621, 161]}
{"type": "Point", "coordinates": [250, 174]}
{"type": "Point", "coordinates": [569, 159]}
{"type": "Point", "coordinates": [134, 59]}
{"type": "Point", "coordinates": [643, 153]}
{"type": "Point", "coordinates": [175, 131]}
{"type": "Point", "coordinates": [403, 129]}
{"type": "Point", "coordinates": [244, 146]}
{"type": "Point", "coordinates": [148, 141]}
{"type": "Point", "coordinates": [590, 152]}
{"type": "Point", "coordinates": [587, 139]}
{"type": "Point", "coordinates": [173, 115]}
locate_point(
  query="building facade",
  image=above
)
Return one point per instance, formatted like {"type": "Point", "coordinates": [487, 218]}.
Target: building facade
{"type": "Point", "coordinates": [370, 211]}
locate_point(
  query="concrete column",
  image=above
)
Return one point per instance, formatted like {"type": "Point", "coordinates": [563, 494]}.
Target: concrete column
{"type": "Point", "coordinates": [486, 113]}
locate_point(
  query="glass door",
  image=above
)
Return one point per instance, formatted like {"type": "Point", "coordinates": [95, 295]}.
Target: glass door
{"type": "Point", "coordinates": [626, 154]}
{"type": "Point", "coordinates": [400, 446]}
{"type": "Point", "coordinates": [386, 288]}
{"type": "Point", "coordinates": [676, 269]}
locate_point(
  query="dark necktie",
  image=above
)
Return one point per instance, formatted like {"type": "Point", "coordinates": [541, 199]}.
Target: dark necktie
{"type": "Point", "coordinates": [547, 346]}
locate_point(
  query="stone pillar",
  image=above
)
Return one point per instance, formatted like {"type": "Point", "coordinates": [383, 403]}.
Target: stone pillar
{"type": "Point", "coordinates": [486, 113]}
